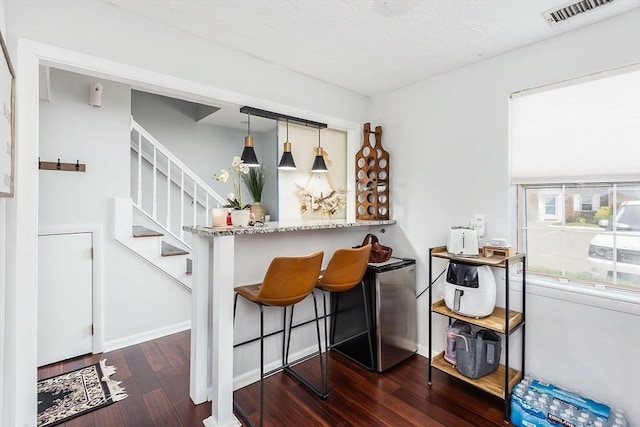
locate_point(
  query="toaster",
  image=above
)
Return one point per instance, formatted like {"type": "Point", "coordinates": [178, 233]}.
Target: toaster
{"type": "Point", "coordinates": [463, 241]}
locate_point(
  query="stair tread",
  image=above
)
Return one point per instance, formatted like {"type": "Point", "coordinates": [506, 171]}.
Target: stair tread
{"type": "Point", "coordinates": [140, 231]}
{"type": "Point", "coordinates": [170, 250]}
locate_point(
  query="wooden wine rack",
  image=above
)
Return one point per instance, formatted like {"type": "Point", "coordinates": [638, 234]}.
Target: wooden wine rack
{"type": "Point", "coordinates": [372, 177]}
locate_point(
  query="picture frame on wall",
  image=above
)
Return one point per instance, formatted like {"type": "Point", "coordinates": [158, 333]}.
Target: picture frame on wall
{"type": "Point", "coordinates": [7, 123]}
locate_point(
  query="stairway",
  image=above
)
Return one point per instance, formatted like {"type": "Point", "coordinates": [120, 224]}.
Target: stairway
{"type": "Point", "coordinates": [159, 249]}
{"type": "Point", "coordinates": [166, 248]}
{"type": "Point", "coordinates": [165, 196]}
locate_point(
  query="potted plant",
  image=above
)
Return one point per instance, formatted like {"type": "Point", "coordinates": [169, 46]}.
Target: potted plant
{"type": "Point", "coordinates": [239, 214]}
{"type": "Point", "coordinates": [254, 180]}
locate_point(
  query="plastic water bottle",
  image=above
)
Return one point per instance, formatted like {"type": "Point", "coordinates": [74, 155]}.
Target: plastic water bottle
{"type": "Point", "coordinates": [599, 423]}
{"type": "Point", "coordinates": [519, 392]}
{"type": "Point", "coordinates": [620, 422]}
{"type": "Point", "coordinates": [529, 400]}
{"type": "Point", "coordinates": [584, 421]}
{"type": "Point", "coordinates": [569, 415]}
{"type": "Point", "coordinates": [527, 380]}
{"type": "Point", "coordinates": [543, 404]}
{"type": "Point", "coordinates": [538, 404]}
{"type": "Point", "coordinates": [618, 418]}
{"type": "Point", "coordinates": [554, 410]}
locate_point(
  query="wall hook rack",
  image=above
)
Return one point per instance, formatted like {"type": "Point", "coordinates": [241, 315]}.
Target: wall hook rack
{"type": "Point", "coordinates": [58, 166]}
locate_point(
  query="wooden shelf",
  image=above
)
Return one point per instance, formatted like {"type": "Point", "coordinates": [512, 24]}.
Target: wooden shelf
{"type": "Point", "coordinates": [492, 261]}
{"type": "Point", "coordinates": [495, 321]}
{"type": "Point", "coordinates": [496, 383]}
{"type": "Point", "coordinates": [372, 177]}
{"type": "Point", "coordinates": [492, 383]}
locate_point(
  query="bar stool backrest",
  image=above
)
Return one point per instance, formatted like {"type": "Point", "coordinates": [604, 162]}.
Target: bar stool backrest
{"type": "Point", "coordinates": [345, 269]}
{"type": "Point", "coordinates": [290, 279]}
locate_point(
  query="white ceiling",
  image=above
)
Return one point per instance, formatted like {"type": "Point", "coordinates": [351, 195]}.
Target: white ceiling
{"type": "Point", "coordinates": [369, 46]}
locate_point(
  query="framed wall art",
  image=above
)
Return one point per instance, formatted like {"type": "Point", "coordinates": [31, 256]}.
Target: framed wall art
{"type": "Point", "coordinates": [7, 123]}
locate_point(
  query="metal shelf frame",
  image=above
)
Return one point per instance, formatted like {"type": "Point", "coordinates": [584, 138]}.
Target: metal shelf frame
{"type": "Point", "coordinates": [509, 328]}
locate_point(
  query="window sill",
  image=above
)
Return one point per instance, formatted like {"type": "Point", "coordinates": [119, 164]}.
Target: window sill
{"type": "Point", "coordinates": [580, 293]}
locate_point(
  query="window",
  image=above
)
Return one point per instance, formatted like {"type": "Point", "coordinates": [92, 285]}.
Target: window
{"type": "Point", "coordinates": [550, 207]}
{"type": "Point", "coordinates": [574, 158]}
{"type": "Point", "coordinates": [600, 246]}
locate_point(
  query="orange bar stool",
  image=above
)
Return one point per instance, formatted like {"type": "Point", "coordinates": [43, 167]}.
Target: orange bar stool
{"type": "Point", "coordinates": [345, 270]}
{"type": "Point", "coordinates": [288, 281]}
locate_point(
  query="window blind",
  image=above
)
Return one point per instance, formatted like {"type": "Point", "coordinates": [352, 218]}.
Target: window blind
{"type": "Point", "coordinates": [577, 132]}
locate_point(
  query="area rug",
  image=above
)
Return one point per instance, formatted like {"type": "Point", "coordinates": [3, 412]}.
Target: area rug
{"type": "Point", "coordinates": [69, 395]}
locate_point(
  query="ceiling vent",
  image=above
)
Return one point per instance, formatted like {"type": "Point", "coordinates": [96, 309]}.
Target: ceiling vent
{"type": "Point", "coordinates": [572, 9]}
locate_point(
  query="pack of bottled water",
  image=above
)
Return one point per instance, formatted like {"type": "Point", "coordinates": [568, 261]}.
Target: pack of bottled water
{"type": "Point", "coordinates": [535, 403]}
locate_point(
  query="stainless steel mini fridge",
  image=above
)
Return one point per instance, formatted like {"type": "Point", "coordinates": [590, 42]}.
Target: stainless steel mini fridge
{"type": "Point", "coordinates": [390, 290]}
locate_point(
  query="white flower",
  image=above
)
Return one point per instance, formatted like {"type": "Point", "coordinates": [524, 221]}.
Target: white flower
{"type": "Point", "coordinates": [224, 176]}
{"type": "Point", "coordinates": [239, 166]}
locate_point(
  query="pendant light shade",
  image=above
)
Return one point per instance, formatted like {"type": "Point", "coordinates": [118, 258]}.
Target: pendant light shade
{"type": "Point", "coordinates": [248, 153]}
{"type": "Point", "coordinates": [318, 164]}
{"type": "Point", "coordinates": [287, 162]}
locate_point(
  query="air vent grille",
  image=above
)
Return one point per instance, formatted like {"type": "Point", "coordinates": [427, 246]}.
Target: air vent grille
{"type": "Point", "coordinates": [561, 14]}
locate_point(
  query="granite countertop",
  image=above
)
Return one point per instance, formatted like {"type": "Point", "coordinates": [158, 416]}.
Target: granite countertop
{"type": "Point", "coordinates": [281, 227]}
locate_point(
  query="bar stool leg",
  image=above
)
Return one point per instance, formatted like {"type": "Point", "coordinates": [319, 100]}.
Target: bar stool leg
{"type": "Point", "coordinates": [284, 333]}
{"type": "Point", "coordinates": [324, 368]}
{"type": "Point", "coordinates": [236, 406]}
{"type": "Point", "coordinates": [286, 357]}
{"type": "Point", "coordinates": [322, 391]}
{"type": "Point", "coordinates": [261, 362]}
{"type": "Point", "coordinates": [334, 315]}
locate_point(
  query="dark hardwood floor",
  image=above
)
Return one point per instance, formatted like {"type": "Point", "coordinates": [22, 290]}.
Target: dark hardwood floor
{"type": "Point", "coordinates": [156, 377]}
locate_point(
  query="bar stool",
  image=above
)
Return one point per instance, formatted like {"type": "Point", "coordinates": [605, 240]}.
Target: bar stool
{"type": "Point", "coordinates": [345, 270]}
{"type": "Point", "coordinates": [288, 280]}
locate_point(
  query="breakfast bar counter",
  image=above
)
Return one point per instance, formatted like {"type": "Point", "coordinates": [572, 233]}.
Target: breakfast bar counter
{"type": "Point", "coordinates": [226, 257]}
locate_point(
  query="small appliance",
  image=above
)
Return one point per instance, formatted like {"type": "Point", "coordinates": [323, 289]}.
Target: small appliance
{"type": "Point", "coordinates": [470, 290]}
{"type": "Point", "coordinates": [463, 241]}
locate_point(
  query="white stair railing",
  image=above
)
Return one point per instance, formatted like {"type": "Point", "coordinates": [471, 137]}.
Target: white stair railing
{"type": "Point", "coordinates": [165, 189]}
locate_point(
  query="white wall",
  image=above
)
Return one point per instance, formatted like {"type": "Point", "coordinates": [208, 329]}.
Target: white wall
{"type": "Point", "coordinates": [137, 298]}
{"type": "Point", "coordinates": [448, 141]}
{"type": "Point", "coordinates": [3, 262]}
{"type": "Point", "coordinates": [6, 323]}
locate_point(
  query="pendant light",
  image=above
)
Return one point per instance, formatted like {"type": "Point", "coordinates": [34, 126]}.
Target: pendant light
{"type": "Point", "coordinates": [318, 164]}
{"type": "Point", "coordinates": [248, 154]}
{"type": "Point", "coordinates": [286, 162]}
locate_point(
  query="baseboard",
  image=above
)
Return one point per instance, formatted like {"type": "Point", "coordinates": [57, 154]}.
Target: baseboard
{"type": "Point", "coordinates": [145, 336]}
{"type": "Point", "coordinates": [423, 351]}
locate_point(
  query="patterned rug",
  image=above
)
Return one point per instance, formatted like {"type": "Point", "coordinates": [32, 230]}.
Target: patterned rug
{"type": "Point", "coordinates": [65, 396]}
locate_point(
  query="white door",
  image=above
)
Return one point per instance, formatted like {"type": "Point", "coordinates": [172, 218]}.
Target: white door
{"type": "Point", "coordinates": [65, 290]}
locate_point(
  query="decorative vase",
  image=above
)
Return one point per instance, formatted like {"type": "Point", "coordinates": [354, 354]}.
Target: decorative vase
{"type": "Point", "coordinates": [240, 218]}
{"type": "Point", "coordinates": [258, 211]}
{"type": "Point", "coordinates": [219, 217]}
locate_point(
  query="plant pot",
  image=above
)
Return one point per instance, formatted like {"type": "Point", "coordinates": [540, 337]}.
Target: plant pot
{"type": "Point", "coordinates": [240, 218]}
{"type": "Point", "coordinates": [258, 211]}
{"type": "Point", "coordinates": [219, 217]}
